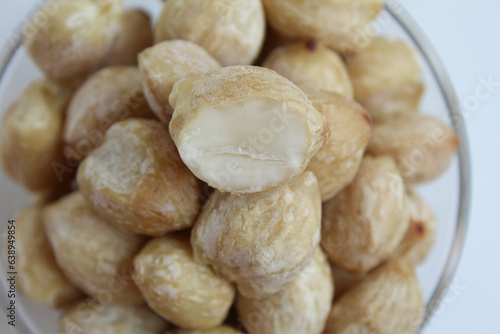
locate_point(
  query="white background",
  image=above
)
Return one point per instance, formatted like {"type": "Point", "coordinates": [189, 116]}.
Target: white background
{"type": "Point", "coordinates": [466, 36]}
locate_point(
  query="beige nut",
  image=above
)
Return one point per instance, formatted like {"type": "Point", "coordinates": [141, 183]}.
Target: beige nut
{"type": "Point", "coordinates": [108, 96]}
{"type": "Point", "coordinates": [31, 136]}
{"type": "Point", "coordinates": [134, 35]}
{"type": "Point", "coordinates": [166, 63]}
{"type": "Point", "coordinates": [302, 307]}
{"type": "Point", "coordinates": [367, 220]}
{"type": "Point", "coordinates": [344, 281]}
{"type": "Point", "coordinates": [216, 330]}
{"type": "Point", "coordinates": [388, 300]}
{"type": "Point", "coordinates": [90, 317]}
{"type": "Point", "coordinates": [386, 77]}
{"type": "Point", "coordinates": [341, 25]}
{"type": "Point", "coordinates": [232, 31]}
{"type": "Point", "coordinates": [29, 250]}
{"type": "Point", "coordinates": [421, 234]}
{"type": "Point", "coordinates": [94, 255]}
{"type": "Point", "coordinates": [186, 293]}
{"type": "Point", "coordinates": [337, 162]}
{"type": "Point", "coordinates": [260, 241]}
{"type": "Point", "coordinates": [137, 181]}
{"type": "Point", "coordinates": [311, 63]}
{"type": "Point", "coordinates": [74, 37]}
{"type": "Point", "coordinates": [422, 146]}
{"type": "Point", "coordinates": [244, 129]}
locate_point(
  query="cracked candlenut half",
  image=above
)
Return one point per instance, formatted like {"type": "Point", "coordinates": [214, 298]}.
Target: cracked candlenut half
{"type": "Point", "coordinates": [312, 63]}
{"type": "Point", "coordinates": [367, 220]}
{"type": "Point", "coordinates": [165, 63]}
{"type": "Point", "coordinates": [302, 307]}
{"type": "Point", "coordinates": [137, 181]}
{"type": "Point", "coordinates": [42, 280]}
{"type": "Point", "coordinates": [232, 31]}
{"type": "Point", "coordinates": [244, 129]}
{"type": "Point", "coordinates": [260, 241]}
{"type": "Point", "coordinates": [93, 254]}
{"type": "Point", "coordinates": [388, 300]}
{"type": "Point", "coordinates": [187, 293]}
{"type": "Point", "coordinates": [90, 317]}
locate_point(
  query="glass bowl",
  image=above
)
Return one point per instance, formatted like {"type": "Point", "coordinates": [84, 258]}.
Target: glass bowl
{"type": "Point", "coordinates": [448, 195]}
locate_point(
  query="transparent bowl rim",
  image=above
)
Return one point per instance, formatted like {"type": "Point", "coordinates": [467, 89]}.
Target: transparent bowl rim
{"type": "Point", "coordinates": [428, 52]}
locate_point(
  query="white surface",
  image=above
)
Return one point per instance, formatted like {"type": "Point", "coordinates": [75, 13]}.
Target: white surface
{"type": "Point", "coordinates": [464, 33]}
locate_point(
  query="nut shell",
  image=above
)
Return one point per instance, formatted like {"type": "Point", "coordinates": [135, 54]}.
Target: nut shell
{"type": "Point", "coordinates": [185, 292]}
{"type": "Point", "coordinates": [367, 220]}
{"type": "Point", "coordinates": [260, 241]}
{"type": "Point", "coordinates": [94, 255]}
{"type": "Point", "coordinates": [137, 181]}
{"type": "Point", "coordinates": [232, 31]}
{"type": "Point", "coordinates": [388, 300]}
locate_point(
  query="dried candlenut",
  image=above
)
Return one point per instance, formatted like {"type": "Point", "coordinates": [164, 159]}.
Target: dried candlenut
{"type": "Point", "coordinates": [185, 292]}
{"type": "Point", "coordinates": [76, 37]}
{"type": "Point", "coordinates": [367, 220]}
{"type": "Point", "coordinates": [232, 31]}
{"type": "Point", "coordinates": [310, 62]}
{"type": "Point", "coordinates": [388, 300]}
{"type": "Point", "coordinates": [137, 181]}
{"type": "Point", "coordinates": [244, 129]}
{"type": "Point", "coordinates": [166, 63]}
{"type": "Point", "coordinates": [386, 77]}
{"type": "Point", "coordinates": [422, 145]}
{"type": "Point", "coordinates": [42, 280]}
{"type": "Point", "coordinates": [110, 95]}
{"type": "Point", "coordinates": [260, 241]}
{"type": "Point", "coordinates": [337, 162]}
{"type": "Point", "coordinates": [93, 254]}
{"type": "Point", "coordinates": [302, 307]}
{"type": "Point", "coordinates": [216, 330]}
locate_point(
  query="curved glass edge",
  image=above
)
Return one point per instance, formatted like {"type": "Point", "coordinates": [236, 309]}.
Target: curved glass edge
{"type": "Point", "coordinates": [438, 69]}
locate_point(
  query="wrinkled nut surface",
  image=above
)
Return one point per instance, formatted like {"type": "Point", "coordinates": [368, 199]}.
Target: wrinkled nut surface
{"type": "Point", "coordinates": [386, 77]}
{"type": "Point", "coordinates": [422, 145]}
{"type": "Point", "coordinates": [42, 280]}
{"type": "Point", "coordinates": [76, 37]}
{"type": "Point", "coordinates": [344, 281]}
{"type": "Point", "coordinates": [260, 241]}
{"type": "Point", "coordinates": [165, 63]}
{"type": "Point", "coordinates": [216, 330]}
{"type": "Point", "coordinates": [302, 307]}
{"type": "Point", "coordinates": [94, 255]}
{"type": "Point", "coordinates": [337, 162]}
{"type": "Point", "coordinates": [312, 63]}
{"type": "Point", "coordinates": [232, 31]}
{"type": "Point", "coordinates": [244, 129]}
{"type": "Point", "coordinates": [89, 317]}
{"type": "Point", "coordinates": [134, 35]}
{"type": "Point", "coordinates": [367, 220]}
{"type": "Point", "coordinates": [313, 19]}
{"type": "Point", "coordinates": [186, 293]}
{"type": "Point", "coordinates": [421, 234]}
{"type": "Point", "coordinates": [108, 96]}
{"type": "Point", "coordinates": [137, 181]}
{"type": "Point", "coordinates": [31, 136]}
{"type": "Point", "coordinates": [388, 300]}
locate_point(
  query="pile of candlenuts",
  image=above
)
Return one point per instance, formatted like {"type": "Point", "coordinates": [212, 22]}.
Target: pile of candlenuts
{"type": "Point", "coordinates": [245, 166]}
